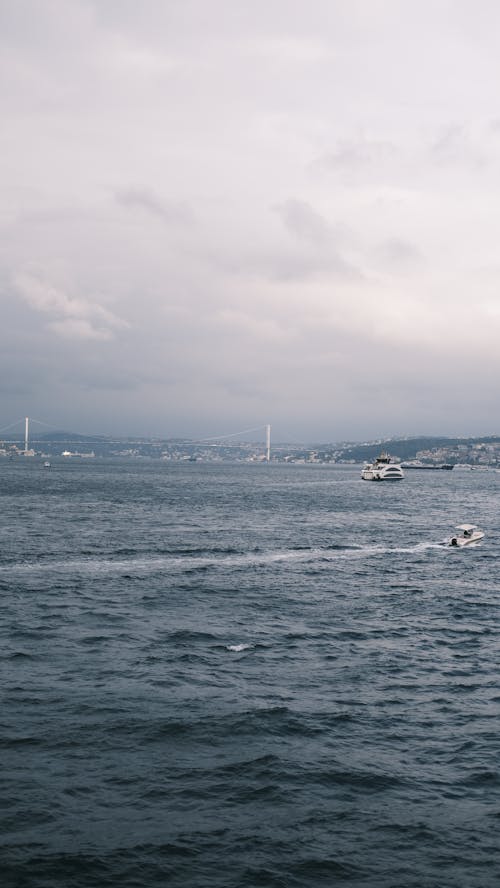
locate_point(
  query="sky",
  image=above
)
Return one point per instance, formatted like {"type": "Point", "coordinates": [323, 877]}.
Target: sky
{"type": "Point", "coordinates": [218, 214]}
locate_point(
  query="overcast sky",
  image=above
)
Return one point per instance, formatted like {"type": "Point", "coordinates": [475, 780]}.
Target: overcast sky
{"type": "Point", "coordinates": [217, 214]}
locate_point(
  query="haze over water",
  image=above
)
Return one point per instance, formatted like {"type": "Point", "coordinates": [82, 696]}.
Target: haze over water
{"type": "Point", "coordinates": [247, 675]}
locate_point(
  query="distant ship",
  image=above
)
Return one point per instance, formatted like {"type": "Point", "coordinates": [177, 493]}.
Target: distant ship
{"type": "Point", "coordinates": [417, 464]}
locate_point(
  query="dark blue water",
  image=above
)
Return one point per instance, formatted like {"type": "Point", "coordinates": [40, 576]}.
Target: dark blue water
{"type": "Point", "coordinates": [219, 676]}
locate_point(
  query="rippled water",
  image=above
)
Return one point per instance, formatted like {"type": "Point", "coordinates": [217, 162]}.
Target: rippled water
{"type": "Point", "coordinates": [247, 676]}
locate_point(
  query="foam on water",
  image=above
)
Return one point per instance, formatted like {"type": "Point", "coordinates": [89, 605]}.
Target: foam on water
{"type": "Point", "coordinates": [95, 566]}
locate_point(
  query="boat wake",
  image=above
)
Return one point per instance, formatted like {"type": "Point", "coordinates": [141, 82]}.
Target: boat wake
{"type": "Point", "coordinates": [189, 563]}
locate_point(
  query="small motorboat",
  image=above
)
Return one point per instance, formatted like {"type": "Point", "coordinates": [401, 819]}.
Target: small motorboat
{"type": "Point", "coordinates": [469, 534]}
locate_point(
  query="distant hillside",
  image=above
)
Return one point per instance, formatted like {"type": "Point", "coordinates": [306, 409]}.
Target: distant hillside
{"type": "Point", "coordinates": [69, 436]}
{"type": "Point", "coordinates": [407, 448]}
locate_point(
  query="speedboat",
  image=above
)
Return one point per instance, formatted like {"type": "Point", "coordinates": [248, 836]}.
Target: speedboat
{"type": "Point", "coordinates": [382, 470]}
{"type": "Point", "coordinates": [469, 534]}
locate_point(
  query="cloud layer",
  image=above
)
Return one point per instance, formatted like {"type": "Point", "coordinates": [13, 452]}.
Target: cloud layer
{"type": "Point", "coordinates": [220, 215]}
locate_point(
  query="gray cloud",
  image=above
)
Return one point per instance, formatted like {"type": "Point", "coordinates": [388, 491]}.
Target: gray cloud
{"type": "Point", "coordinates": [70, 317]}
{"type": "Point", "coordinates": [303, 221]}
{"type": "Point", "coordinates": [221, 215]}
{"type": "Point", "coordinates": [454, 145]}
{"type": "Point", "coordinates": [358, 153]}
{"type": "Point", "coordinates": [170, 212]}
{"type": "Point", "coordinates": [400, 252]}
{"type": "Point", "coordinates": [282, 265]}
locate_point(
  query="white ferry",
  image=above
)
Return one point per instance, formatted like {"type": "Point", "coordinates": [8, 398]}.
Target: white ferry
{"type": "Point", "coordinates": [382, 470]}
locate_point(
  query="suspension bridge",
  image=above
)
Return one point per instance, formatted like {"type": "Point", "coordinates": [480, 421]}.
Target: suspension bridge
{"type": "Point", "coordinates": [22, 436]}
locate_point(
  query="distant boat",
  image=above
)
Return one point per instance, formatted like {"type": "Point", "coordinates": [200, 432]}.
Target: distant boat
{"type": "Point", "coordinates": [417, 464]}
{"type": "Point", "coordinates": [46, 464]}
{"type": "Point", "coordinates": [382, 470]}
{"type": "Point", "coordinates": [470, 534]}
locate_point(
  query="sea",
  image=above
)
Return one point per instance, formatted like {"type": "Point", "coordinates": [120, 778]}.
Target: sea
{"type": "Point", "coordinates": [238, 675]}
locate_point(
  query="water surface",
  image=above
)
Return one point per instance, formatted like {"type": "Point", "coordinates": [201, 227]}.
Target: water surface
{"type": "Point", "coordinates": [245, 675]}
